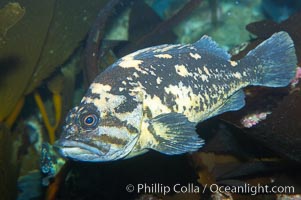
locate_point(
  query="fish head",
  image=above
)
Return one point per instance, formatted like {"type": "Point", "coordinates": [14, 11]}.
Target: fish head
{"type": "Point", "coordinates": [95, 135]}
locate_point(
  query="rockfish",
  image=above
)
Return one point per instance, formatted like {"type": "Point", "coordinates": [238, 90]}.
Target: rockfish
{"type": "Point", "coordinates": [153, 98]}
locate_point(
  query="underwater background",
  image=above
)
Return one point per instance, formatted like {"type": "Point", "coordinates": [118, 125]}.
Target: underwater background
{"type": "Point", "coordinates": [50, 51]}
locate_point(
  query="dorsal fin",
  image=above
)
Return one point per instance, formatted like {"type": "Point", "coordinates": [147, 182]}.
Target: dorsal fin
{"type": "Point", "coordinates": [207, 44]}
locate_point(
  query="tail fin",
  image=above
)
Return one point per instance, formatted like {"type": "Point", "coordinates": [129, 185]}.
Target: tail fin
{"type": "Point", "coordinates": [275, 60]}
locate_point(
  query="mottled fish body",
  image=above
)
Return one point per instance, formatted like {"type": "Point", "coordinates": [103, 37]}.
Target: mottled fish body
{"type": "Point", "coordinates": [154, 97]}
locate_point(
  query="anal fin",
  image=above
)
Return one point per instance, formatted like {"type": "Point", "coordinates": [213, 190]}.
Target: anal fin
{"type": "Point", "coordinates": [174, 134]}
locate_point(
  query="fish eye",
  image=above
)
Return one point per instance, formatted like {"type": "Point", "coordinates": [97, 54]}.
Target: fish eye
{"type": "Point", "coordinates": [89, 120]}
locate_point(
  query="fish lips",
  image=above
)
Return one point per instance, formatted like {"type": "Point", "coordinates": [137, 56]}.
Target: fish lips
{"type": "Point", "coordinates": [77, 150]}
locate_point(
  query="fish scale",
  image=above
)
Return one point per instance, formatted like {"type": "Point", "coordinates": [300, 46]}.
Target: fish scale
{"type": "Point", "coordinates": [171, 78]}
{"type": "Point", "coordinates": [153, 98]}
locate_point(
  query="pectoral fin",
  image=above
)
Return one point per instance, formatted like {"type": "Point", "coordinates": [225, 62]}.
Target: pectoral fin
{"type": "Point", "coordinates": [174, 134]}
{"type": "Point", "coordinates": [235, 102]}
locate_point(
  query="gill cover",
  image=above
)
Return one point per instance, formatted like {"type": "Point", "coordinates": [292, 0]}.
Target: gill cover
{"type": "Point", "coordinates": [95, 136]}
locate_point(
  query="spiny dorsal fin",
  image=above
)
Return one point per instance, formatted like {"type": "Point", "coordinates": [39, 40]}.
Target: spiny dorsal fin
{"type": "Point", "coordinates": [206, 43]}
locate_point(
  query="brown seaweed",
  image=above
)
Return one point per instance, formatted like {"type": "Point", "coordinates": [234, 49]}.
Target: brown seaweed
{"type": "Point", "coordinates": [95, 37]}
{"type": "Point", "coordinates": [9, 163]}
{"type": "Point", "coordinates": [54, 186]}
{"type": "Point", "coordinates": [161, 33]}
{"type": "Point", "coordinates": [9, 16]}
{"type": "Point", "coordinates": [265, 28]}
{"type": "Point", "coordinates": [280, 131]}
{"type": "Point", "coordinates": [35, 46]}
{"type": "Point", "coordinates": [23, 49]}
{"type": "Point", "coordinates": [68, 26]}
{"type": "Point", "coordinates": [266, 150]}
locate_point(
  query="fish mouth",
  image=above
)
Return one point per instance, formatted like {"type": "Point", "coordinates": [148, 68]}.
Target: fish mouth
{"type": "Point", "coordinates": [71, 148]}
{"type": "Point", "coordinates": [92, 152]}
